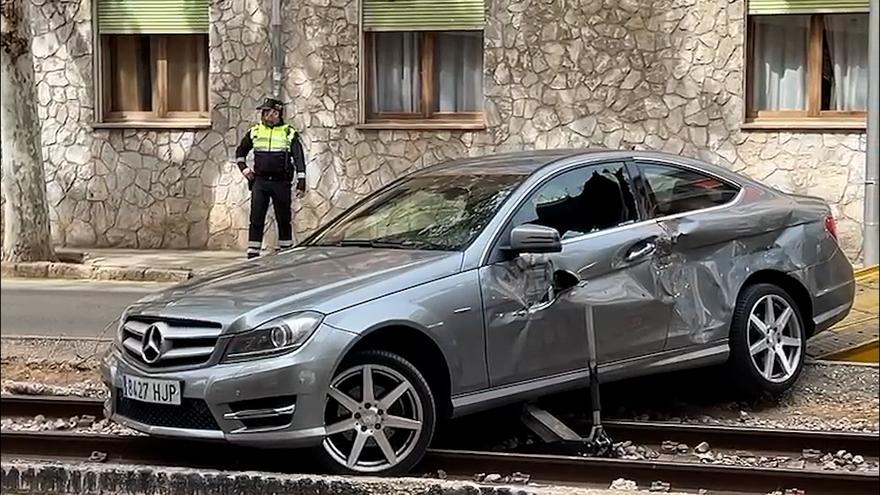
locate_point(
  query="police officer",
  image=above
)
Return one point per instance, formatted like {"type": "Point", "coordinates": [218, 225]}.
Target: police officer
{"type": "Point", "coordinates": [278, 160]}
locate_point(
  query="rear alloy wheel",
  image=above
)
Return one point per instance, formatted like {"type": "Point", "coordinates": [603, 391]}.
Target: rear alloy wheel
{"type": "Point", "coordinates": [774, 338]}
{"type": "Point", "coordinates": [379, 416]}
{"type": "Point", "coordinates": [768, 340]}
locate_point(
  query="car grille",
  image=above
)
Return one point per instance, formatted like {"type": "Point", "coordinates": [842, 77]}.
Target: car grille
{"type": "Point", "coordinates": [174, 342]}
{"type": "Point", "coordinates": [192, 414]}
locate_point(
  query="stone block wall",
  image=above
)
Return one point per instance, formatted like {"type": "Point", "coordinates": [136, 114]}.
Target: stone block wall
{"type": "Point", "coordinates": [653, 74]}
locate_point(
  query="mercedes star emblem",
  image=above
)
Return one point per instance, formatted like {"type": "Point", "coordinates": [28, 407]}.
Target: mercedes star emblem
{"type": "Point", "coordinates": [152, 344]}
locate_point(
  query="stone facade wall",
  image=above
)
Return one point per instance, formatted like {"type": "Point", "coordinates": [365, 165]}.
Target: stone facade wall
{"type": "Point", "coordinates": [654, 74]}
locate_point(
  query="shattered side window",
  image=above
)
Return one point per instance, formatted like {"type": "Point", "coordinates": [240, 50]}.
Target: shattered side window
{"type": "Point", "coordinates": [582, 201]}
{"type": "Point", "coordinates": [673, 190]}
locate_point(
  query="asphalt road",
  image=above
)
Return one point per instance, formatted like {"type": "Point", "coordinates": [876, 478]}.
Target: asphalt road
{"type": "Point", "coordinates": [65, 308]}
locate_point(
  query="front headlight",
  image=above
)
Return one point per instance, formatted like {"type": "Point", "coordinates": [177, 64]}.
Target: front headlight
{"type": "Point", "coordinates": [273, 338]}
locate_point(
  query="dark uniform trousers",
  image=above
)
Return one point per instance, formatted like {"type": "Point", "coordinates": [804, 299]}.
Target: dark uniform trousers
{"type": "Point", "coordinates": [263, 191]}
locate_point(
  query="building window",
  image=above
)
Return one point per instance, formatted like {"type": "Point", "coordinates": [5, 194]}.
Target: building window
{"type": "Point", "coordinates": [423, 63]}
{"type": "Point", "coordinates": [808, 60]}
{"type": "Point", "coordinates": [153, 59]}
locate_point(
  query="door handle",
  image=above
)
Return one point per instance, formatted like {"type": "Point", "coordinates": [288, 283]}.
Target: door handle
{"type": "Point", "coordinates": [636, 254]}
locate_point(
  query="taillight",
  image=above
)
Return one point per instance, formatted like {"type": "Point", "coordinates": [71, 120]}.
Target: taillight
{"type": "Point", "coordinates": [831, 225]}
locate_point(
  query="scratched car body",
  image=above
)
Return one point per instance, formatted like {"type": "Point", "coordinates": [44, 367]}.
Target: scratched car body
{"type": "Point", "coordinates": [465, 286]}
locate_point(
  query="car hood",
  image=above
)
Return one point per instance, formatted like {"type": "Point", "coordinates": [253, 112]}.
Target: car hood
{"type": "Point", "coordinates": [323, 279]}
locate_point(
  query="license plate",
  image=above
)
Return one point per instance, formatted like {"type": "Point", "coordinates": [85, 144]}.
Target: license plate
{"type": "Point", "coordinates": [151, 390]}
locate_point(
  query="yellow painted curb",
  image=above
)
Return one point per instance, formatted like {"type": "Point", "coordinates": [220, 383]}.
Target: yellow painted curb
{"type": "Point", "coordinates": [866, 352]}
{"type": "Point", "coordinates": [866, 273]}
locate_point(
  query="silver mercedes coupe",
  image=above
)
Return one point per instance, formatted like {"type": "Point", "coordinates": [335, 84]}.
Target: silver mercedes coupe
{"type": "Point", "coordinates": [465, 286]}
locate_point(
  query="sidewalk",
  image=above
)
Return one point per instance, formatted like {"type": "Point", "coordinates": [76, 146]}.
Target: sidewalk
{"type": "Point", "coordinates": [136, 265]}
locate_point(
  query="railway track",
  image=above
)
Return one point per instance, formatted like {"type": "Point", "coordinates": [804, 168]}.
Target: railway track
{"type": "Point", "coordinates": [546, 468]}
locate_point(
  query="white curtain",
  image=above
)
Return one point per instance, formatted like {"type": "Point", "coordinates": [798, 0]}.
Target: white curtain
{"type": "Point", "coordinates": [396, 73]}
{"type": "Point", "coordinates": [458, 59]}
{"type": "Point", "coordinates": [847, 37]}
{"type": "Point", "coordinates": [780, 78]}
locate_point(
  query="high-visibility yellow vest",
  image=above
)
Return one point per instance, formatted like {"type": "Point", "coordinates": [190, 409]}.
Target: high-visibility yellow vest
{"type": "Point", "coordinates": [277, 138]}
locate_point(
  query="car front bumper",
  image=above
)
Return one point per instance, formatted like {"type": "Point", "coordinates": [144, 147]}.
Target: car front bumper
{"type": "Point", "coordinates": [215, 398]}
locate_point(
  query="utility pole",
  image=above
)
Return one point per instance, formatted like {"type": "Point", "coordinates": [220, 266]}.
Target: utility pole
{"type": "Point", "coordinates": [870, 242]}
{"type": "Point", "coordinates": [277, 51]}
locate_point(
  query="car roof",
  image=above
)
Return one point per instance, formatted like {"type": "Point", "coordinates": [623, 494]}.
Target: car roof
{"type": "Point", "coordinates": [528, 162]}
{"type": "Point", "coordinates": [510, 163]}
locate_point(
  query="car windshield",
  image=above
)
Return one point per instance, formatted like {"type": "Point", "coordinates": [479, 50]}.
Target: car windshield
{"type": "Point", "coordinates": [441, 212]}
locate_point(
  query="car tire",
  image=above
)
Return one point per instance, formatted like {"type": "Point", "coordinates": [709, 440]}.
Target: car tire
{"type": "Point", "coordinates": [758, 331]}
{"type": "Point", "coordinates": [391, 441]}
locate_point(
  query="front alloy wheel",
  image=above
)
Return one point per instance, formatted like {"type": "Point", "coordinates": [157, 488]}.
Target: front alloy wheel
{"type": "Point", "coordinates": [379, 416]}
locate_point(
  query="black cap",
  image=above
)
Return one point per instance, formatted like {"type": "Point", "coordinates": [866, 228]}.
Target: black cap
{"type": "Point", "coordinates": [272, 104]}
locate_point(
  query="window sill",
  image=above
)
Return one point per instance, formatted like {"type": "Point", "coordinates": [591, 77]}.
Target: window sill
{"type": "Point", "coordinates": [813, 124]}
{"type": "Point", "coordinates": [423, 125]}
{"type": "Point", "coordinates": [154, 124]}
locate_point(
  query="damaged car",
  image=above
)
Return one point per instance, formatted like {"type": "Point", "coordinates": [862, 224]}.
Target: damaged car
{"type": "Point", "coordinates": [464, 286]}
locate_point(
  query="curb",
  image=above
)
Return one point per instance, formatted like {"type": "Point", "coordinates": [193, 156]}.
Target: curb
{"type": "Point", "coordinates": [38, 478]}
{"type": "Point", "coordinates": [866, 273]}
{"type": "Point", "coordinates": [76, 271]}
{"type": "Point", "coordinates": [828, 362]}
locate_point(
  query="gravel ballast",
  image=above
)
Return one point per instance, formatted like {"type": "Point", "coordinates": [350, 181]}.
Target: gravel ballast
{"type": "Point", "coordinates": [835, 396]}
{"type": "Point", "coordinates": [703, 453]}
{"type": "Point", "coordinates": [75, 424]}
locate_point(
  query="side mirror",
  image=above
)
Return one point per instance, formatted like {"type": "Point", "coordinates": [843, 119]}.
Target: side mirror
{"type": "Point", "coordinates": [534, 239]}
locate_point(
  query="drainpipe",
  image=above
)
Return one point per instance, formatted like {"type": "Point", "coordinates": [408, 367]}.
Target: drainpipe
{"type": "Point", "coordinates": [277, 53]}
{"type": "Point", "coordinates": [871, 243]}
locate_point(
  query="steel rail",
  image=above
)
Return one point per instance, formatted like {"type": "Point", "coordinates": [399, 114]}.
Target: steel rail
{"type": "Point", "coordinates": [679, 475]}
{"type": "Point", "coordinates": [542, 468]}
{"type": "Point", "coordinates": [55, 406]}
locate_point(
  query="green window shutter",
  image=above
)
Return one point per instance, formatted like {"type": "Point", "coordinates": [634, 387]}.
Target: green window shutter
{"type": "Point", "coordinates": [153, 16]}
{"type": "Point", "coordinates": [423, 15]}
{"type": "Point", "coordinates": [807, 6]}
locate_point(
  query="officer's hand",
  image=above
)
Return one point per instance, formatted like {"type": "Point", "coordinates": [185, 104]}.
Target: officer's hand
{"type": "Point", "coordinates": [248, 173]}
{"type": "Point", "coordinates": [300, 187]}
